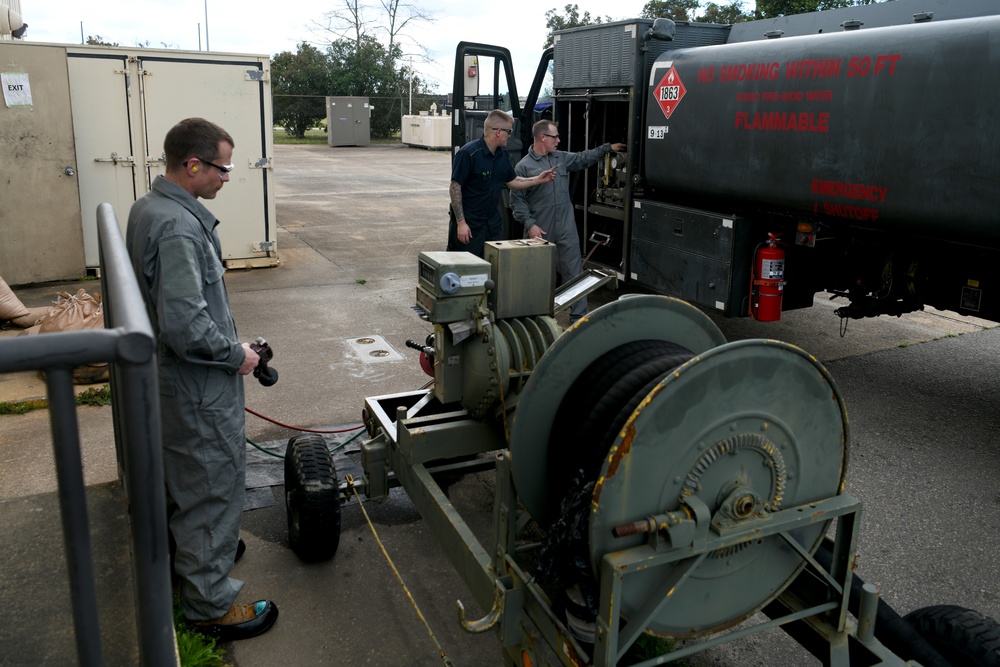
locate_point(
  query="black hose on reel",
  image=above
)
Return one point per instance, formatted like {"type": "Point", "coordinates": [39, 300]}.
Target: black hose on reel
{"type": "Point", "coordinates": [589, 418]}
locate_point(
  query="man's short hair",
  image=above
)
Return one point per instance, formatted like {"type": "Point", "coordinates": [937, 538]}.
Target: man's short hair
{"type": "Point", "coordinates": [497, 119]}
{"type": "Point", "coordinates": [541, 127]}
{"type": "Point", "coordinates": [193, 137]}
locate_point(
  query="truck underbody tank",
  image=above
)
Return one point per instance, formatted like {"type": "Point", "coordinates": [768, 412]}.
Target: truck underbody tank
{"type": "Point", "coordinates": [892, 129]}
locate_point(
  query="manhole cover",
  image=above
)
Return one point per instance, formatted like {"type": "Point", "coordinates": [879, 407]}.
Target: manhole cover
{"type": "Point", "coordinates": [379, 353]}
{"type": "Point", "coordinates": [365, 341]}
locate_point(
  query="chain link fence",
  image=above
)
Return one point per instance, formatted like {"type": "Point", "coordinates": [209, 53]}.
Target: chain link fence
{"type": "Point", "coordinates": [297, 113]}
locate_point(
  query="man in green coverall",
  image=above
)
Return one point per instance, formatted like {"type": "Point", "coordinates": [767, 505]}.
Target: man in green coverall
{"type": "Point", "coordinates": [177, 257]}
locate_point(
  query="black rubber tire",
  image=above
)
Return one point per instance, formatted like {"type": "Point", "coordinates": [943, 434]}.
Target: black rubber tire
{"type": "Point", "coordinates": [962, 636]}
{"type": "Point", "coordinates": [312, 498]}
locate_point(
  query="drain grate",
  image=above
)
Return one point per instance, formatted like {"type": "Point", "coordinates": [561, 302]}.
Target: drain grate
{"type": "Point", "coordinates": [373, 349]}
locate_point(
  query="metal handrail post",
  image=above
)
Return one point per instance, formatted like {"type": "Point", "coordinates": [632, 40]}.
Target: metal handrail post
{"type": "Point", "coordinates": [73, 508]}
{"type": "Point", "coordinates": [139, 439]}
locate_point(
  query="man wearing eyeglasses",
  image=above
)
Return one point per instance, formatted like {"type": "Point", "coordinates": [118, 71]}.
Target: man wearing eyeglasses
{"type": "Point", "coordinates": [479, 172]}
{"type": "Point", "coordinates": [547, 212]}
{"type": "Point", "coordinates": [177, 257]}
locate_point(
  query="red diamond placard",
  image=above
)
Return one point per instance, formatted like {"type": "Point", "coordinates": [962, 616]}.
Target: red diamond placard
{"type": "Point", "coordinates": [669, 91]}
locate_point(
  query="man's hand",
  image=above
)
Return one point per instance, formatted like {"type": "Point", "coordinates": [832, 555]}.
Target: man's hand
{"type": "Point", "coordinates": [535, 232]}
{"type": "Point", "coordinates": [548, 175]}
{"type": "Point", "coordinates": [250, 361]}
{"type": "Point", "coordinates": [619, 148]}
{"type": "Point", "coordinates": [464, 233]}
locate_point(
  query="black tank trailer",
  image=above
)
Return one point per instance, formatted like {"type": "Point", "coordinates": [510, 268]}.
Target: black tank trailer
{"type": "Point", "coordinates": [891, 128]}
{"type": "Point", "coordinates": [883, 141]}
{"type": "Point", "coordinates": [849, 151]}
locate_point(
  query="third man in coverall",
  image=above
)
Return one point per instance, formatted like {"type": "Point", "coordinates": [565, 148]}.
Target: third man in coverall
{"type": "Point", "coordinates": [546, 211]}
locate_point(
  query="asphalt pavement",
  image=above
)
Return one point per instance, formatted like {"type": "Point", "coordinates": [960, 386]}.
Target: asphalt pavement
{"type": "Point", "coordinates": [919, 389]}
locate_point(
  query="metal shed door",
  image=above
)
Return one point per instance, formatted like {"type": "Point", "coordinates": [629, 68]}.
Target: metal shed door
{"type": "Point", "coordinates": [99, 94]}
{"type": "Point", "coordinates": [221, 91]}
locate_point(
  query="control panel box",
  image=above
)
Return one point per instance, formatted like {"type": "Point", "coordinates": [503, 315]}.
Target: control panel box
{"type": "Point", "coordinates": [524, 271]}
{"type": "Point", "coordinates": [450, 274]}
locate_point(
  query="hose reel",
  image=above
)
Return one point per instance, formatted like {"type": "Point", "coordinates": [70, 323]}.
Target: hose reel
{"type": "Point", "coordinates": [703, 442]}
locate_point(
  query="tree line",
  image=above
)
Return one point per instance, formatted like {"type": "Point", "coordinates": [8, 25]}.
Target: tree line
{"type": "Point", "coordinates": [735, 11]}
{"type": "Point", "coordinates": [364, 59]}
{"type": "Point", "coordinates": [366, 46]}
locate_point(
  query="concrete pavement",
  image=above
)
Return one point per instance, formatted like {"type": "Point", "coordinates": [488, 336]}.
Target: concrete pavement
{"type": "Point", "coordinates": [351, 223]}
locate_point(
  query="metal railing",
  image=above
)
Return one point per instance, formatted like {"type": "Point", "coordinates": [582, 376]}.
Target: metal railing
{"type": "Point", "coordinates": [128, 343]}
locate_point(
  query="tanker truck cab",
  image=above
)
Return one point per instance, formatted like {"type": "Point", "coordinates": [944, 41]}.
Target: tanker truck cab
{"type": "Point", "coordinates": [849, 151]}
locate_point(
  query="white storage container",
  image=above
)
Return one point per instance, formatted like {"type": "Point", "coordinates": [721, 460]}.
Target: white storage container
{"type": "Point", "coordinates": [94, 133]}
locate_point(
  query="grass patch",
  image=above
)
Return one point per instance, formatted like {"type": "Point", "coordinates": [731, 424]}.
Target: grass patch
{"type": "Point", "coordinates": [312, 137]}
{"type": "Point", "coordinates": [194, 648]}
{"type": "Point", "coordinates": [94, 396]}
{"type": "Point", "coordinates": [316, 136]}
{"type": "Point", "coordinates": [20, 407]}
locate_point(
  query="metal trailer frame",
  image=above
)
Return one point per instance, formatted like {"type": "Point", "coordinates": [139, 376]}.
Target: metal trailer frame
{"type": "Point", "coordinates": [521, 612]}
{"type": "Point", "coordinates": [128, 343]}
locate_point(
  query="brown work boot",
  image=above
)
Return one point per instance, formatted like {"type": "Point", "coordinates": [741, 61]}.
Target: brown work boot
{"type": "Point", "coordinates": [242, 621]}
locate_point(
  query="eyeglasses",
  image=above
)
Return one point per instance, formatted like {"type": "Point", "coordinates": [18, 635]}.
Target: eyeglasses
{"type": "Point", "coordinates": [508, 130]}
{"type": "Point", "coordinates": [225, 169]}
{"type": "Point", "coordinates": [551, 136]}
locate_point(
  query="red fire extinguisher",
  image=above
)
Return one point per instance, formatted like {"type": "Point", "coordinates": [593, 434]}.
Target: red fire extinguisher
{"type": "Point", "coordinates": [768, 281]}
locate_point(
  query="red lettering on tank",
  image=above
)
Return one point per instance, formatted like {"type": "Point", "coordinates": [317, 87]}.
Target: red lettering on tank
{"type": "Point", "coordinates": [783, 121]}
{"type": "Point", "coordinates": [827, 68]}
{"type": "Point", "coordinates": [887, 61]}
{"type": "Point", "coordinates": [750, 72]}
{"type": "Point", "coordinates": [875, 193]}
{"type": "Point", "coordinates": [863, 65]}
{"type": "Point", "coordinates": [850, 212]}
{"type": "Point", "coordinates": [819, 95]}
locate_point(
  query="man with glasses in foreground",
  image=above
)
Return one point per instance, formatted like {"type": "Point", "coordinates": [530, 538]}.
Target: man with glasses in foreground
{"type": "Point", "coordinates": [177, 257]}
{"type": "Point", "coordinates": [547, 212]}
{"type": "Point", "coordinates": [480, 170]}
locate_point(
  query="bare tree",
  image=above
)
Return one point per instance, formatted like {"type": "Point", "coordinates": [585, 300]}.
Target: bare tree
{"type": "Point", "coordinates": [356, 20]}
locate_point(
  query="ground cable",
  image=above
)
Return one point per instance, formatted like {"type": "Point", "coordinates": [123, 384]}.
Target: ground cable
{"type": "Point", "coordinates": [444, 656]}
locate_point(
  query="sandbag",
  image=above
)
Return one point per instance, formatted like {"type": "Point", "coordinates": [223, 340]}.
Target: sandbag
{"type": "Point", "coordinates": [33, 317]}
{"type": "Point", "coordinates": [76, 312]}
{"type": "Point", "coordinates": [10, 306]}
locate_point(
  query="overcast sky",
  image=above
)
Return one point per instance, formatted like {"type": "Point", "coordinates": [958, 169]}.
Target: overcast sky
{"type": "Point", "coordinates": [257, 27]}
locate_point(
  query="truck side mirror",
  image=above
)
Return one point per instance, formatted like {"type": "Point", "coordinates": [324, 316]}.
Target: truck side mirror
{"type": "Point", "coordinates": [663, 29]}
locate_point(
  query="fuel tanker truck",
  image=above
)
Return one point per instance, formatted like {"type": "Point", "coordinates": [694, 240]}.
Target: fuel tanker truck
{"type": "Point", "coordinates": [850, 151]}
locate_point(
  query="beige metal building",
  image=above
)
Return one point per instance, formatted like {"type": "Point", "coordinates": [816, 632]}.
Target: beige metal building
{"type": "Point", "coordinates": [87, 127]}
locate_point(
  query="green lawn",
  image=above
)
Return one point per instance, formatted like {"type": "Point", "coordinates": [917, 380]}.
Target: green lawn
{"type": "Point", "coordinates": [316, 137]}
{"type": "Point", "coordinates": [312, 137]}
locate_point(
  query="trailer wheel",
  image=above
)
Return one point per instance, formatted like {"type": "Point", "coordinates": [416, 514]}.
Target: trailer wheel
{"type": "Point", "coordinates": [312, 498]}
{"type": "Point", "coordinates": [962, 636]}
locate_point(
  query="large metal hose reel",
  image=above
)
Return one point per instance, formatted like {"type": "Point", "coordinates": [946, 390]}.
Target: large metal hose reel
{"type": "Point", "coordinates": [656, 437]}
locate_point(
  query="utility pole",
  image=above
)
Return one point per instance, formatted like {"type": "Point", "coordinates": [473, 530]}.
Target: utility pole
{"type": "Point", "coordinates": [206, 27]}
